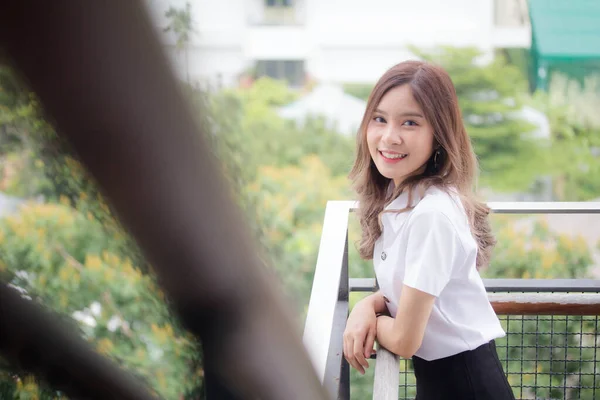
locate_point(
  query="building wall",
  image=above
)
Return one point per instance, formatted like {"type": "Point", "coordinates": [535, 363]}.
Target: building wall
{"type": "Point", "coordinates": [338, 40]}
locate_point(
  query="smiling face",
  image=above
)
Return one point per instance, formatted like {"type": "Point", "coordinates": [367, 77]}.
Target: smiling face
{"type": "Point", "coordinates": [399, 138]}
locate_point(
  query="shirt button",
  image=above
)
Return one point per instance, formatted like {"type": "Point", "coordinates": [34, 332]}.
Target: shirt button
{"type": "Point", "coordinates": [383, 255]}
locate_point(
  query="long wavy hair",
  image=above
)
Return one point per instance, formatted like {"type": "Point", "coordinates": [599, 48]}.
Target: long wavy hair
{"type": "Point", "coordinates": [454, 168]}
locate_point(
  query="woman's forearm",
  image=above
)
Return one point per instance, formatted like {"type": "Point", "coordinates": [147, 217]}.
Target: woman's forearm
{"type": "Point", "coordinates": [385, 329]}
{"type": "Point", "coordinates": [377, 301]}
{"type": "Point", "coordinates": [389, 339]}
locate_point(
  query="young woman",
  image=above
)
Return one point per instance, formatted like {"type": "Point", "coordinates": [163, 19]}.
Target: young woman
{"type": "Point", "coordinates": [428, 236]}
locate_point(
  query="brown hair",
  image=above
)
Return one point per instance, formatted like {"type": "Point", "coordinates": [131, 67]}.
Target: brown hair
{"type": "Point", "coordinates": [455, 166]}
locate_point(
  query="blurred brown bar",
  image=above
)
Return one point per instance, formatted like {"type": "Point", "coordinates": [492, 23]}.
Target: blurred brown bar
{"type": "Point", "coordinates": [33, 340]}
{"type": "Point", "coordinates": [103, 79]}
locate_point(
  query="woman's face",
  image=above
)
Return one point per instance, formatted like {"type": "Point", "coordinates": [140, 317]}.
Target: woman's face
{"type": "Point", "coordinates": [399, 138]}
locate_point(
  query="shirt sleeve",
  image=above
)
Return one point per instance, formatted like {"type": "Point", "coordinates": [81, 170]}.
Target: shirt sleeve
{"type": "Point", "coordinates": [433, 251]}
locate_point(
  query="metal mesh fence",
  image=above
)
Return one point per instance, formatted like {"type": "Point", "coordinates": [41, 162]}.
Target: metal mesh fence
{"type": "Point", "coordinates": [551, 357]}
{"type": "Point", "coordinates": [544, 357]}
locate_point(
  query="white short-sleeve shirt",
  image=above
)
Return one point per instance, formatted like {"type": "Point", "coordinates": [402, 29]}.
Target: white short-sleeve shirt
{"type": "Point", "coordinates": [431, 248]}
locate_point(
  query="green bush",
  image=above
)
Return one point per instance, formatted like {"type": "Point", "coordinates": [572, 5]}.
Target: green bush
{"type": "Point", "coordinates": [62, 258]}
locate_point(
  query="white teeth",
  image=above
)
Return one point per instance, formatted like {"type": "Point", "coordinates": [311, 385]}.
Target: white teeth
{"type": "Point", "coordinates": [393, 155]}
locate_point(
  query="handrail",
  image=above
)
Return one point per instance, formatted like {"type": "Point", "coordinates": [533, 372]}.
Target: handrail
{"type": "Point", "coordinates": [327, 299]}
{"type": "Point", "coordinates": [506, 285]}
{"type": "Point", "coordinates": [387, 379]}
{"type": "Point", "coordinates": [385, 385]}
{"type": "Point", "coordinates": [326, 285]}
{"type": "Point", "coordinates": [545, 207]}
{"type": "Point", "coordinates": [545, 303]}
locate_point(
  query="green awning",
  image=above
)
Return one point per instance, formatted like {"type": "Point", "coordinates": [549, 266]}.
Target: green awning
{"type": "Point", "coordinates": [565, 38]}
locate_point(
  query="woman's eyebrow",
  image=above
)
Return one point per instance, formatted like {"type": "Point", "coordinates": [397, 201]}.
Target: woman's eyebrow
{"type": "Point", "coordinates": [402, 114]}
{"type": "Point", "coordinates": [411, 114]}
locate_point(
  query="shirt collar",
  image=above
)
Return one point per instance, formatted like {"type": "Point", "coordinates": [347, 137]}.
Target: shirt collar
{"type": "Point", "coordinates": [401, 202]}
{"type": "Point", "coordinates": [391, 217]}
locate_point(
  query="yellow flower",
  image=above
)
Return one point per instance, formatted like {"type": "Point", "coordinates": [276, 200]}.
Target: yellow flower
{"type": "Point", "coordinates": [548, 259]}
{"type": "Point", "coordinates": [93, 262]}
{"type": "Point", "coordinates": [161, 334]}
{"type": "Point", "coordinates": [104, 207]}
{"type": "Point", "coordinates": [31, 387]}
{"type": "Point", "coordinates": [104, 346]}
{"type": "Point", "coordinates": [63, 299]}
{"type": "Point", "coordinates": [62, 220]}
{"type": "Point", "coordinates": [109, 274]}
{"type": "Point", "coordinates": [160, 376]}
{"type": "Point", "coordinates": [64, 274]}
{"type": "Point", "coordinates": [567, 242]}
{"type": "Point", "coordinates": [140, 353]}
{"type": "Point", "coordinates": [76, 278]}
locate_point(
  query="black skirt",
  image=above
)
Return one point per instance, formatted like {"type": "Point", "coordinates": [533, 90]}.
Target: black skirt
{"type": "Point", "coordinates": [470, 375]}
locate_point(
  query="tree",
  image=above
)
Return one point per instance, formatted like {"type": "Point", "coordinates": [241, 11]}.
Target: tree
{"type": "Point", "coordinates": [21, 129]}
{"type": "Point", "coordinates": [575, 136]}
{"type": "Point", "coordinates": [247, 120]}
{"type": "Point", "coordinates": [490, 100]}
{"type": "Point", "coordinates": [290, 207]}
{"type": "Point", "coordinates": [182, 25]}
{"type": "Point", "coordinates": [63, 258]}
{"type": "Point", "coordinates": [66, 249]}
{"type": "Point", "coordinates": [489, 97]}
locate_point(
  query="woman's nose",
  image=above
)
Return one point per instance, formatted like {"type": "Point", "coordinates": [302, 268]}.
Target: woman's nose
{"type": "Point", "coordinates": [391, 136]}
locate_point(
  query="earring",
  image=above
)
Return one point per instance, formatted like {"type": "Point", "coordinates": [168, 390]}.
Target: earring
{"type": "Point", "coordinates": [435, 160]}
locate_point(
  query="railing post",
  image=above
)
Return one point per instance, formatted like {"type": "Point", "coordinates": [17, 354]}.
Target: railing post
{"type": "Point", "coordinates": [337, 371]}
{"type": "Point", "coordinates": [328, 306]}
{"type": "Point", "coordinates": [387, 375]}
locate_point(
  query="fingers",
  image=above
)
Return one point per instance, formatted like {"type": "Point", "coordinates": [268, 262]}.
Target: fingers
{"type": "Point", "coordinates": [347, 347]}
{"type": "Point", "coordinates": [359, 355]}
{"type": "Point", "coordinates": [370, 343]}
{"type": "Point", "coordinates": [349, 342]}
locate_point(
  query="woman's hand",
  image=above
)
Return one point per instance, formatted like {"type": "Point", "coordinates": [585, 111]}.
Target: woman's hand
{"type": "Point", "coordinates": [359, 336]}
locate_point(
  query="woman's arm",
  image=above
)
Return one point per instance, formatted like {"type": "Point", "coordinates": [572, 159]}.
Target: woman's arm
{"type": "Point", "coordinates": [361, 329]}
{"type": "Point", "coordinates": [403, 335]}
{"type": "Point", "coordinates": [377, 301]}
{"type": "Point", "coordinates": [433, 248]}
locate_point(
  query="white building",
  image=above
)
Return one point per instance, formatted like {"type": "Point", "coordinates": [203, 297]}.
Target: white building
{"type": "Point", "coordinates": [336, 41]}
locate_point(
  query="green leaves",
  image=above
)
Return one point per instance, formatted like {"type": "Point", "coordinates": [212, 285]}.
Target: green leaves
{"type": "Point", "coordinates": [574, 160]}
{"type": "Point", "coordinates": [181, 24]}
{"type": "Point", "coordinates": [489, 96]}
{"type": "Point", "coordinates": [528, 248]}
{"type": "Point", "coordinates": [63, 258]}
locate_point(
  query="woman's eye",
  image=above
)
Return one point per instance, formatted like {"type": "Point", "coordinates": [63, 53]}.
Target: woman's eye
{"type": "Point", "coordinates": [410, 123]}
{"type": "Point", "coordinates": [379, 119]}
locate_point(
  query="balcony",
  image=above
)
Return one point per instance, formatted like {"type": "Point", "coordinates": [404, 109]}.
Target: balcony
{"type": "Point", "coordinates": [551, 346]}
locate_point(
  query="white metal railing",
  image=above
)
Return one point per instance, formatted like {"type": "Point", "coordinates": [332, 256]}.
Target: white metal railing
{"type": "Point", "coordinates": [328, 303]}
{"type": "Point", "coordinates": [326, 286]}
